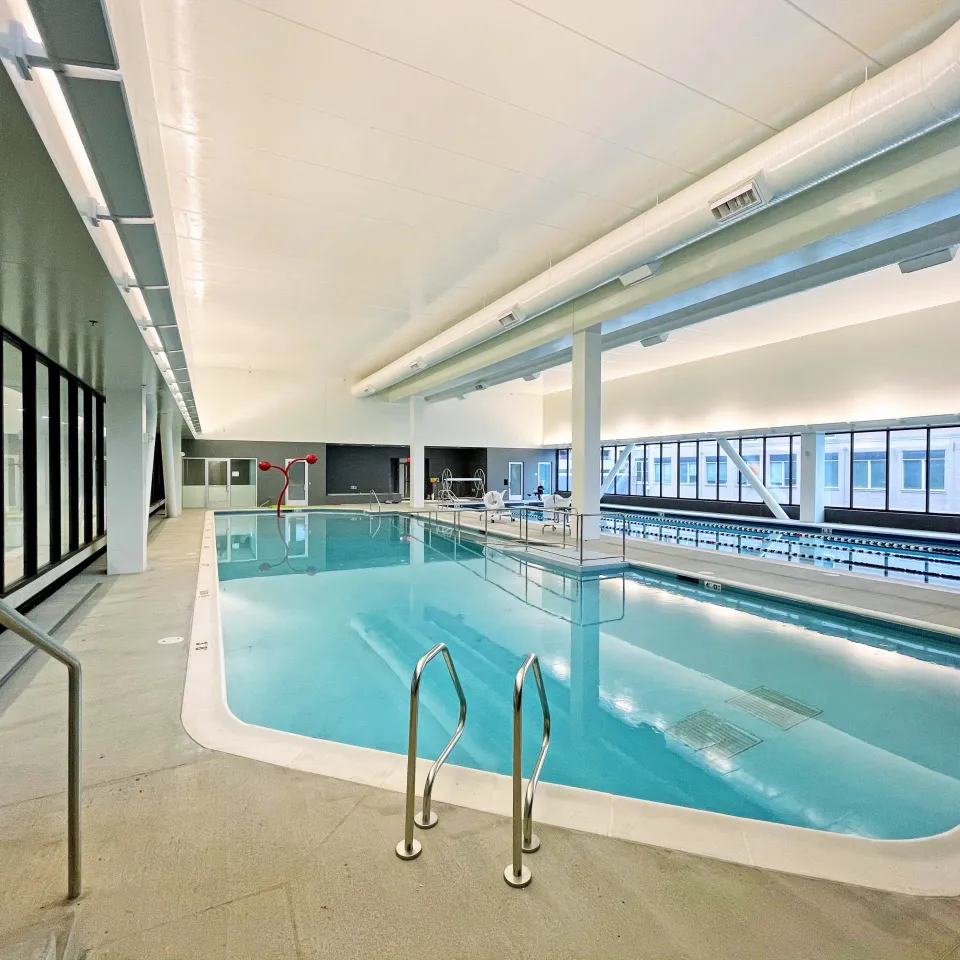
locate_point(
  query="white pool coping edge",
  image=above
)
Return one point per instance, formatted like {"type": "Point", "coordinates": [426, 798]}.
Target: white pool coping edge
{"type": "Point", "coordinates": [929, 866]}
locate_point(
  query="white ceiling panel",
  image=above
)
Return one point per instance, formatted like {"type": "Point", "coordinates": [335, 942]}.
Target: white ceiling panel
{"type": "Point", "coordinates": [386, 95]}
{"type": "Point", "coordinates": [888, 30]}
{"type": "Point", "coordinates": [347, 179]}
{"type": "Point", "coordinates": [765, 58]}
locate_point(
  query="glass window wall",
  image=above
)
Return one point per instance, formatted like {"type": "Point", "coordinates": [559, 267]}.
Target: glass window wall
{"type": "Point", "coordinates": [43, 464]}
{"type": "Point", "coordinates": [908, 469]}
{"type": "Point", "coordinates": [13, 491]}
{"type": "Point", "coordinates": [49, 467]}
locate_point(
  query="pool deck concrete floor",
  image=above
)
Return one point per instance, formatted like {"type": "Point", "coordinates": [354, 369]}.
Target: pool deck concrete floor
{"type": "Point", "coordinates": [189, 853]}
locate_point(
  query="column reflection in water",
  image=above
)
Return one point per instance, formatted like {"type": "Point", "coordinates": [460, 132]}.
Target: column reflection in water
{"type": "Point", "coordinates": [585, 662]}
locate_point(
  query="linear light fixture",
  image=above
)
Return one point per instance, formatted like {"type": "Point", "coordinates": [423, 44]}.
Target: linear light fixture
{"type": "Point", "coordinates": [22, 47]}
{"type": "Point", "coordinates": [932, 259]}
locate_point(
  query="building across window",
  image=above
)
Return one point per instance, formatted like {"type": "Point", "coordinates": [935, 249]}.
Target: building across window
{"type": "Point", "coordinates": [903, 469]}
{"type": "Point", "coordinates": [711, 463]}
{"type": "Point", "coordinates": [688, 470]}
{"type": "Point", "coordinates": [831, 471]}
{"type": "Point", "coordinates": [752, 460]}
{"type": "Point", "coordinates": [869, 469]}
{"type": "Point", "coordinates": [781, 469]}
{"type": "Point", "coordinates": [915, 467]}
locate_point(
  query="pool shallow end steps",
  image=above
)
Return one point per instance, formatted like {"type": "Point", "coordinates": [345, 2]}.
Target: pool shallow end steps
{"type": "Point", "coordinates": [928, 866]}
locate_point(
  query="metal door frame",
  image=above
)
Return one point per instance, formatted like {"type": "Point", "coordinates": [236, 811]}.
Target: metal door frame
{"type": "Point", "coordinates": [510, 464]}
{"type": "Point", "coordinates": [306, 485]}
{"type": "Point", "coordinates": [549, 466]}
{"type": "Point", "coordinates": [206, 481]}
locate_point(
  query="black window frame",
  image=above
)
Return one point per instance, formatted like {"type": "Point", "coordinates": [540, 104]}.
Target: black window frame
{"type": "Point", "coordinates": [84, 398]}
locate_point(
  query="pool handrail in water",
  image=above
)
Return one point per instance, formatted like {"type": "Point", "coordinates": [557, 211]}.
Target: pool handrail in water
{"type": "Point", "coordinates": [524, 839]}
{"type": "Point", "coordinates": [409, 848]}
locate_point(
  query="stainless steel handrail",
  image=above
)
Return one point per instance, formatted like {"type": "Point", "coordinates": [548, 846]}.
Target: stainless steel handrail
{"type": "Point", "coordinates": [20, 625]}
{"type": "Point", "coordinates": [373, 495]}
{"type": "Point", "coordinates": [524, 839]}
{"type": "Point", "coordinates": [409, 848]}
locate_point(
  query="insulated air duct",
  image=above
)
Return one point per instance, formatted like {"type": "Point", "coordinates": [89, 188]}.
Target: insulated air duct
{"type": "Point", "coordinates": [904, 102]}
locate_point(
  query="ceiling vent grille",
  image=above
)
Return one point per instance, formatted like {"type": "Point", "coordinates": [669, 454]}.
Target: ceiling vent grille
{"type": "Point", "coordinates": [511, 319]}
{"type": "Point", "coordinates": [744, 198]}
{"type": "Point", "coordinates": [417, 364]}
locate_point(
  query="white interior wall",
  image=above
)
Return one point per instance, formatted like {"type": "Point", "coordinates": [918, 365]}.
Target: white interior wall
{"type": "Point", "coordinates": [263, 405]}
{"type": "Point", "coordinates": [901, 366]}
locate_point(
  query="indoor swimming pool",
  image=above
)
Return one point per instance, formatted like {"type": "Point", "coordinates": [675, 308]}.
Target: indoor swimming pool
{"type": "Point", "coordinates": [659, 689]}
{"type": "Point", "coordinates": [915, 559]}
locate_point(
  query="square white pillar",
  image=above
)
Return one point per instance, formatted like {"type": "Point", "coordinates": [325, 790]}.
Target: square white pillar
{"type": "Point", "coordinates": [586, 429]}
{"type": "Point", "coordinates": [812, 475]}
{"type": "Point", "coordinates": [170, 447]}
{"type": "Point", "coordinates": [125, 417]}
{"type": "Point", "coordinates": [416, 453]}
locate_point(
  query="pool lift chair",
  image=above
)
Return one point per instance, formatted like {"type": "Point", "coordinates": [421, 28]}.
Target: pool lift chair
{"type": "Point", "coordinates": [495, 503]}
{"type": "Point", "coordinates": [556, 510]}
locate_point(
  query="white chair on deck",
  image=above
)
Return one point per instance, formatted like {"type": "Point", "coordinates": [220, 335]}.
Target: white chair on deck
{"type": "Point", "coordinates": [556, 510]}
{"type": "Point", "coordinates": [495, 502]}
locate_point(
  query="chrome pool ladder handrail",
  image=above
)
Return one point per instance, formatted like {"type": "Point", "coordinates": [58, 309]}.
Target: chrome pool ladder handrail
{"type": "Point", "coordinates": [524, 839]}
{"type": "Point", "coordinates": [373, 496]}
{"type": "Point", "coordinates": [16, 622]}
{"type": "Point", "coordinates": [409, 848]}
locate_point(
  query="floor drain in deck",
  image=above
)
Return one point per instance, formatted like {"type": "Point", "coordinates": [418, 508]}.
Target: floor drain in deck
{"type": "Point", "coordinates": [711, 735]}
{"type": "Point", "coordinates": [775, 707]}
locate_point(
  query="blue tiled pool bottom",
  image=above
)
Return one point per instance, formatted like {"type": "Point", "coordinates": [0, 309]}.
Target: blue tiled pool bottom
{"type": "Point", "coordinates": [659, 689]}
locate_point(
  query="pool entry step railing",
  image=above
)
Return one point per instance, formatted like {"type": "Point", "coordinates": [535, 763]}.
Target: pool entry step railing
{"type": "Point", "coordinates": [409, 848]}
{"type": "Point", "coordinates": [375, 498]}
{"type": "Point", "coordinates": [13, 620]}
{"type": "Point", "coordinates": [516, 873]}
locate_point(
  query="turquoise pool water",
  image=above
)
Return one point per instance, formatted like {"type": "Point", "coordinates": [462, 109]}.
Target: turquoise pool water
{"type": "Point", "coordinates": [659, 689]}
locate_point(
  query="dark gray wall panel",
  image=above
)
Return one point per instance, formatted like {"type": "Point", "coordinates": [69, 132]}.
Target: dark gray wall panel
{"type": "Point", "coordinates": [498, 462]}
{"type": "Point", "coordinates": [269, 483]}
{"type": "Point", "coordinates": [363, 467]}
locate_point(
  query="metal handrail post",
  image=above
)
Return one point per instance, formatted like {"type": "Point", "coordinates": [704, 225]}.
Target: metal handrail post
{"type": "Point", "coordinates": [13, 620]}
{"type": "Point", "coordinates": [623, 548]}
{"type": "Point", "coordinates": [409, 848]}
{"type": "Point", "coordinates": [524, 839]}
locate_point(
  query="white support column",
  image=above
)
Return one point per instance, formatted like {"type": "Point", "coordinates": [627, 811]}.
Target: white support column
{"type": "Point", "coordinates": [586, 429]}
{"type": "Point", "coordinates": [170, 451]}
{"type": "Point", "coordinates": [416, 453]}
{"type": "Point", "coordinates": [126, 421]}
{"type": "Point", "coordinates": [149, 445]}
{"type": "Point", "coordinates": [617, 467]}
{"type": "Point", "coordinates": [731, 451]}
{"type": "Point", "coordinates": [812, 474]}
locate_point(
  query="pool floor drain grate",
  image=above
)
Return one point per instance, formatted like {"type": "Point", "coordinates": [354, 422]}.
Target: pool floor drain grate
{"type": "Point", "coordinates": [774, 707]}
{"type": "Point", "coordinates": [711, 735]}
